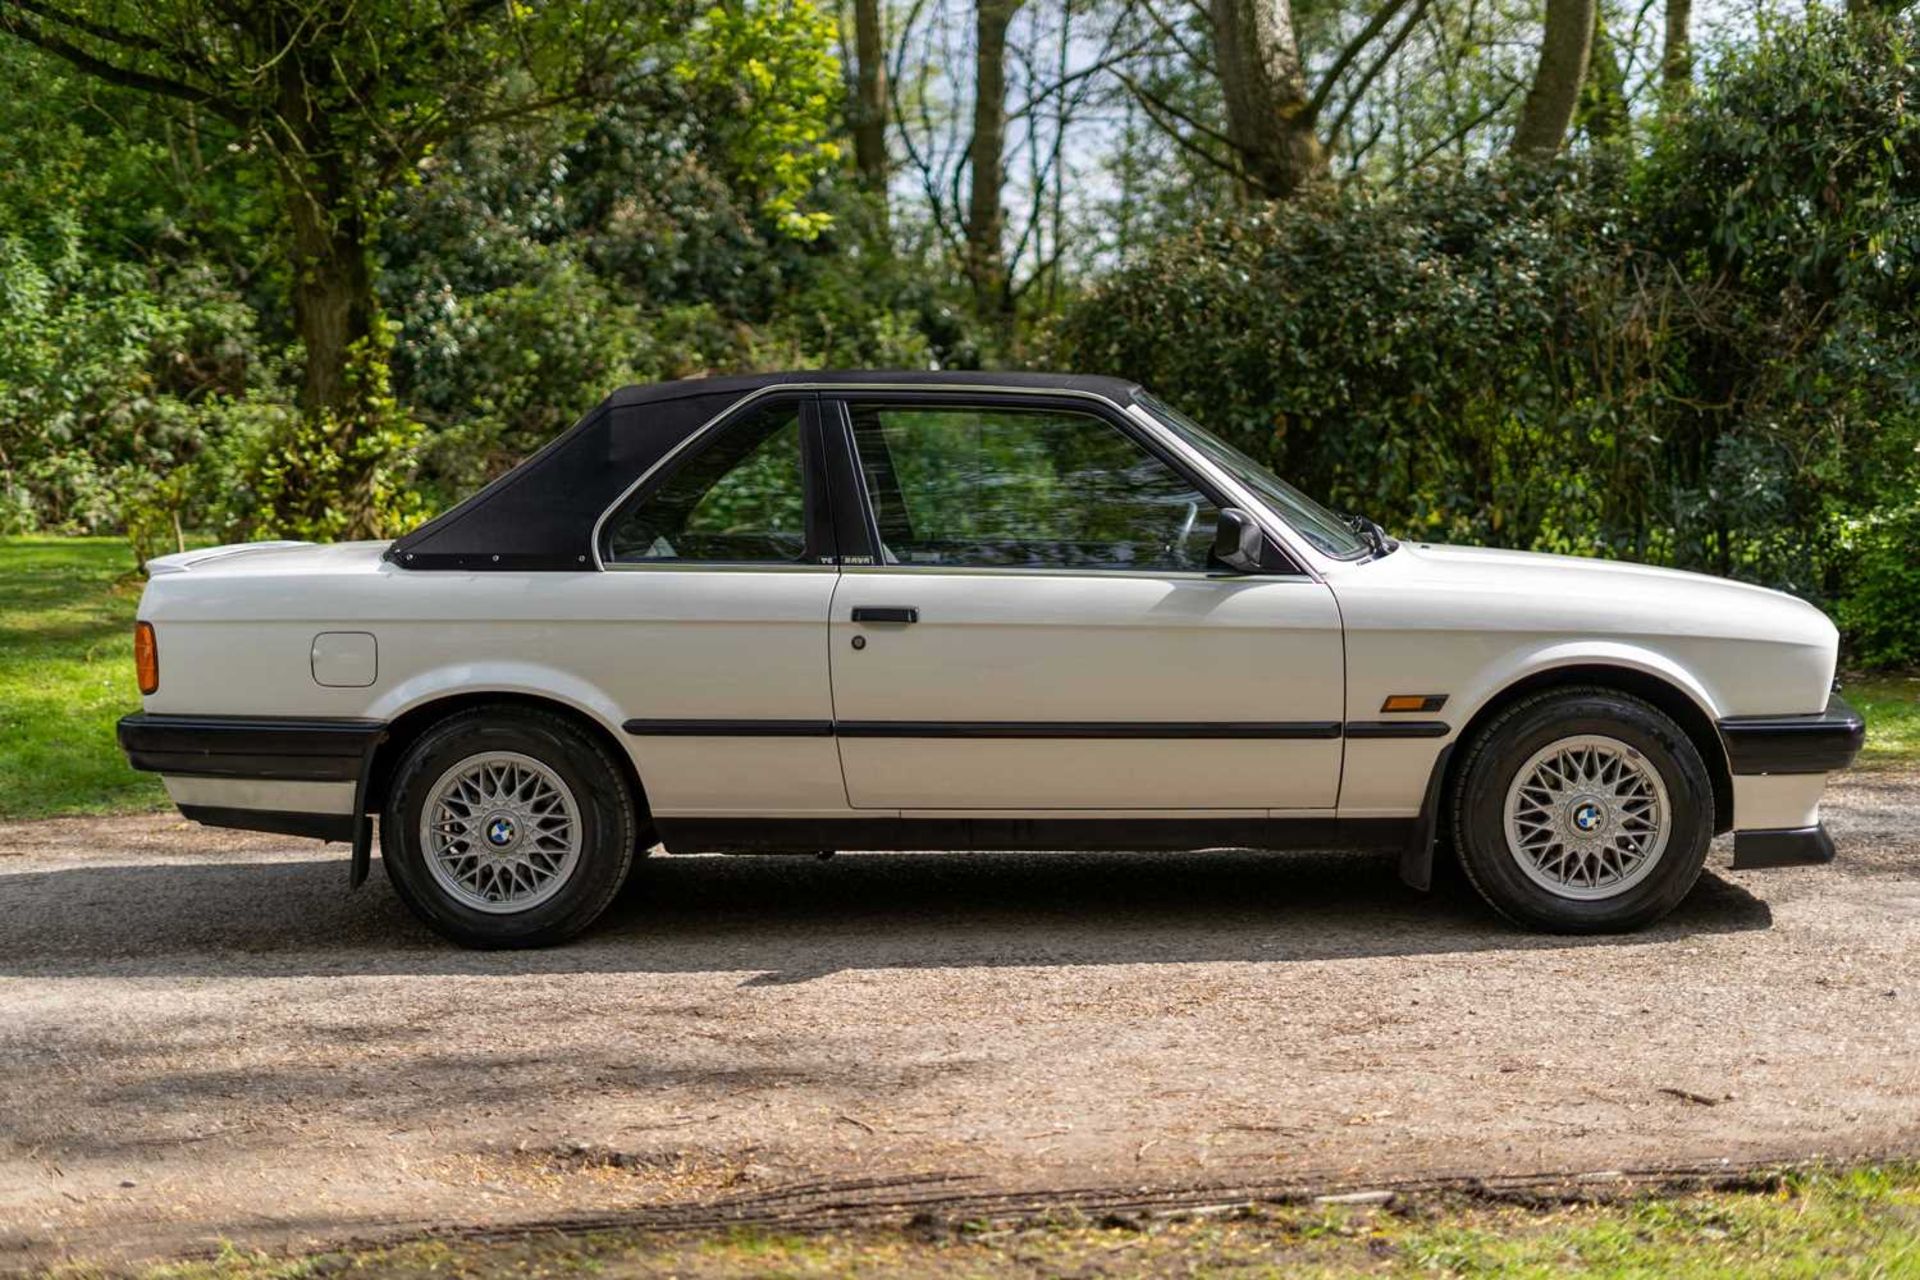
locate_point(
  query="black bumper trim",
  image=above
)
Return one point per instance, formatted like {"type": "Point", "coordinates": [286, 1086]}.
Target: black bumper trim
{"type": "Point", "coordinates": [319, 826]}
{"type": "Point", "coordinates": [1825, 742]}
{"type": "Point", "coordinates": [1782, 847]}
{"type": "Point", "coordinates": [269, 748]}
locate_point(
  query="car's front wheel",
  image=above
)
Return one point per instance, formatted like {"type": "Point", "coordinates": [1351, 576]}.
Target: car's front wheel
{"type": "Point", "coordinates": [507, 827]}
{"type": "Point", "coordinates": [1583, 811]}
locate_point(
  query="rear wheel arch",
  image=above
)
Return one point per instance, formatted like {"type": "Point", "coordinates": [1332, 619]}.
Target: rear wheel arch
{"type": "Point", "coordinates": [407, 728]}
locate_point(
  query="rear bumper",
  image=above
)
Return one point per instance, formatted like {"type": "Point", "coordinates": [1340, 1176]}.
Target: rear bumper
{"type": "Point", "coordinates": [1784, 847]}
{"type": "Point", "coordinates": [302, 777]}
{"type": "Point", "coordinates": [1825, 742]}
{"type": "Point", "coordinates": [261, 747]}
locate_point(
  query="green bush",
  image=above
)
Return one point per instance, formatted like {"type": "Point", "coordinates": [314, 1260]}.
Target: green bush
{"type": "Point", "coordinates": [1881, 610]}
{"type": "Point", "coordinates": [1708, 356]}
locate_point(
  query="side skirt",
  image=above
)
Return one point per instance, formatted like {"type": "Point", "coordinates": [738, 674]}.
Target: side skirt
{"type": "Point", "coordinates": [808, 835]}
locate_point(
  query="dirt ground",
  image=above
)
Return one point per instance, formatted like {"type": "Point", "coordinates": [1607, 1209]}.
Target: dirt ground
{"type": "Point", "coordinates": [204, 1036]}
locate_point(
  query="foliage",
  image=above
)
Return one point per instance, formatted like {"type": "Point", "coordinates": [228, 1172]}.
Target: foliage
{"type": "Point", "coordinates": [1708, 358]}
{"type": "Point", "coordinates": [1880, 612]}
{"type": "Point", "coordinates": [776, 64]}
{"type": "Point", "coordinates": [115, 327]}
{"type": "Point", "coordinates": [1698, 345]}
{"type": "Point", "coordinates": [329, 475]}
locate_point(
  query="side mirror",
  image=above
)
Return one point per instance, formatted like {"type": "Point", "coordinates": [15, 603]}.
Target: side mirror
{"type": "Point", "coordinates": [1238, 542]}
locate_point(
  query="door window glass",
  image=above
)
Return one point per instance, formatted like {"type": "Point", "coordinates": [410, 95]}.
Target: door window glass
{"type": "Point", "coordinates": [742, 498]}
{"type": "Point", "coordinates": [1026, 488]}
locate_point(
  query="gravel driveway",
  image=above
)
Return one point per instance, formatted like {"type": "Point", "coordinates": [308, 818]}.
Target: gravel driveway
{"type": "Point", "coordinates": [204, 1035]}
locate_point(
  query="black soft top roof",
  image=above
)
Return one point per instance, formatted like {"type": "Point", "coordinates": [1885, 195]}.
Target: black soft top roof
{"type": "Point", "coordinates": [541, 514]}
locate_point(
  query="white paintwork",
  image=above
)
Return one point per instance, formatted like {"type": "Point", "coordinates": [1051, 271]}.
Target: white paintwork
{"type": "Point", "coordinates": [345, 659]}
{"type": "Point", "coordinates": [236, 629]}
{"type": "Point", "coordinates": [1018, 646]}
{"type": "Point", "coordinates": [1778, 802]}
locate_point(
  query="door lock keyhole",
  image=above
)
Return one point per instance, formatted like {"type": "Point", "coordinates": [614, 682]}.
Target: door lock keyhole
{"type": "Point", "coordinates": [859, 642]}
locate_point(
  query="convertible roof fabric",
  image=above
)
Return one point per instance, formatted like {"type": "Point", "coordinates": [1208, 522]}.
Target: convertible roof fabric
{"type": "Point", "coordinates": [540, 515]}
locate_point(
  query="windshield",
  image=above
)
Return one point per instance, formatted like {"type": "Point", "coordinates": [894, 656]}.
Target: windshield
{"type": "Point", "coordinates": [1312, 521]}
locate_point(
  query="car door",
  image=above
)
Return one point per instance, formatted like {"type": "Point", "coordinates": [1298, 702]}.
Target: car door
{"type": "Point", "coordinates": [1027, 620]}
{"type": "Point", "coordinates": [724, 559]}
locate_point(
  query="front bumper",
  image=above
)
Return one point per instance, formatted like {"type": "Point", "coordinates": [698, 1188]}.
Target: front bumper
{"type": "Point", "coordinates": [1785, 847]}
{"type": "Point", "coordinates": [1825, 742]}
{"type": "Point", "coordinates": [1779, 766]}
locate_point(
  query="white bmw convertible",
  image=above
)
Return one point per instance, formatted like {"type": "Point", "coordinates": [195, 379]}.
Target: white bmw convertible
{"type": "Point", "coordinates": [808, 612]}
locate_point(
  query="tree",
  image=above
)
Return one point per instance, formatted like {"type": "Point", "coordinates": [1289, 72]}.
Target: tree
{"type": "Point", "coordinates": [1270, 114]}
{"type": "Point", "coordinates": [1565, 44]}
{"type": "Point", "coordinates": [1676, 56]}
{"type": "Point", "coordinates": [342, 102]}
{"type": "Point", "coordinates": [1280, 124]}
{"type": "Point", "coordinates": [1603, 100]}
{"type": "Point", "coordinates": [986, 159]}
{"type": "Point", "coordinates": [869, 114]}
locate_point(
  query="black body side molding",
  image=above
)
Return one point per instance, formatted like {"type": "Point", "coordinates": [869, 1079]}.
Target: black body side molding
{"type": "Point", "coordinates": [1087, 729]}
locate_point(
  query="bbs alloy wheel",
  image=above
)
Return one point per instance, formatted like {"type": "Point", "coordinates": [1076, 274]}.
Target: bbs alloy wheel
{"type": "Point", "coordinates": [508, 827]}
{"type": "Point", "coordinates": [1583, 811]}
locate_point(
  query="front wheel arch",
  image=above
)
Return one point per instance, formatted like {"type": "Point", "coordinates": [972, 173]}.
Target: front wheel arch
{"type": "Point", "coordinates": [1436, 818]}
{"type": "Point", "coordinates": [1666, 697]}
{"type": "Point", "coordinates": [1485, 785]}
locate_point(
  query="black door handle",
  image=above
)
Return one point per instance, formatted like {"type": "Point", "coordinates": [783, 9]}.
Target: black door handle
{"type": "Point", "coordinates": [884, 613]}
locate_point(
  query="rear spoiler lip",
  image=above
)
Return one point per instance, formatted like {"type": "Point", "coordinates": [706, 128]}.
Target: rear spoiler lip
{"type": "Point", "coordinates": [182, 561]}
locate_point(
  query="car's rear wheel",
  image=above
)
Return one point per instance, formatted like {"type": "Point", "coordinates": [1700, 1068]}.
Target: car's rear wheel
{"type": "Point", "coordinates": [508, 827]}
{"type": "Point", "coordinates": [1583, 811]}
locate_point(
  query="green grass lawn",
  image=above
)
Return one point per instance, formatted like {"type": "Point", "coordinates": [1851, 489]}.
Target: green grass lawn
{"type": "Point", "coordinates": [1863, 1223]}
{"type": "Point", "coordinates": [66, 674]}
{"type": "Point", "coordinates": [1890, 701]}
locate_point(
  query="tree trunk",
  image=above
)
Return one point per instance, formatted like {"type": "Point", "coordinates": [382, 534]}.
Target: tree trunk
{"type": "Point", "coordinates": [1269, 113]}
{"type": "Point", "coordinates": [1604, 104]}
{"type": "Point", "coordinates": [1676, 60]}
{"type": "Point", "coordinates": [333, 301]}
{"type": "Point", "coordinates": [327, 488]}
{"type": "Point", "coordinates": [1565, 45]}
{"type": "Point", "coordinates": [870, 97]}
{"type": "Point", "coordinates": [986, 160]}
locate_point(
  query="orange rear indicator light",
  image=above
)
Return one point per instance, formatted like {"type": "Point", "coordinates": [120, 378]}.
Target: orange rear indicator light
{"type": "Point", "coordinates": [146, 657]}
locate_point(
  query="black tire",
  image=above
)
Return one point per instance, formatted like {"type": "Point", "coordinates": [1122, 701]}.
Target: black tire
{"type": "Point", "coordinates": [608, 821]}
{"type": "Point", "coordinates": [1498, 753]}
